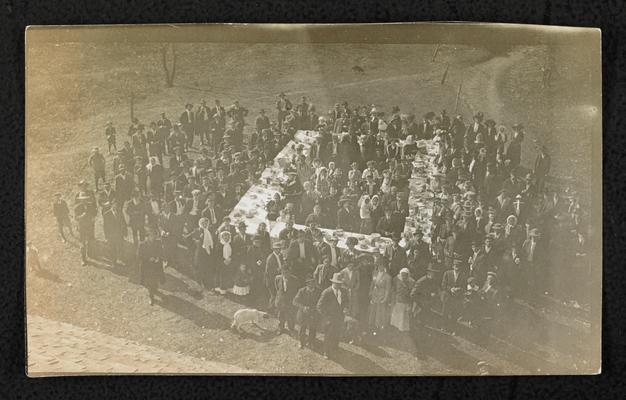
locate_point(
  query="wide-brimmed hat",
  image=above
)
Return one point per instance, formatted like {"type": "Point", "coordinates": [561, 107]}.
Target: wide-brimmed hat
{"type": "Point", "coordinates": [337, 278]}
{"type": "Point", "coordinates": [534, 232]}
{"type": "Point", "coordinates": [518, 127]}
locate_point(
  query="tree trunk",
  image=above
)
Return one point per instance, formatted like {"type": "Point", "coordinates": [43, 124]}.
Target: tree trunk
{"type": "Point", "coordinates": [132, 106]}
{"type": "Point", "coordinates": [169, 75]}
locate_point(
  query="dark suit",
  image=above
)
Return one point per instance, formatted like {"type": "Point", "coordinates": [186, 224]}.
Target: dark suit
{"type": "Point", "coordinates": [332, 314]}
{"type": "Point", "coordinates": [188, 121]}
{"type": "Point", "coordinates": [307, 316]}
{"type": "Point", "coordinates": [286, 286]}
{"type": "Point", "coordinates": [452, 299]}
{"type": "Point", "coordinates": [302, 266]}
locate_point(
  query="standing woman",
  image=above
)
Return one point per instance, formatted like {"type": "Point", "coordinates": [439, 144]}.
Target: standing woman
{"type": "Point", "coordinates": [365, 212]}
{"type": "Point", "coordinates": [224, 263]}
{"type": "Point", "coordinates": [203, 259]}
{"type": "Point", "coordinates": [380, 294]}
{"type": "Point", "coordinates": [401, 312]}
{"type": "Point", "coordinates": [150, 264]}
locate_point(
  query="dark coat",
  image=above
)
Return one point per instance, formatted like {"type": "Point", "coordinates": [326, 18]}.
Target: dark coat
{"type": "Point", "coordinates": [306, 302]}
{"type": "Point", "coordinates": [330, 310]}
{"type": "Point", "coordinates": [285, 293]}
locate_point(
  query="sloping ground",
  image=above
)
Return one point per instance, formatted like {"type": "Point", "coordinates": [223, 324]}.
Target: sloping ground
{"type": "Point", "coordinates": [56, 348]}
{"type": "Point", "coordinates": [108, 300]}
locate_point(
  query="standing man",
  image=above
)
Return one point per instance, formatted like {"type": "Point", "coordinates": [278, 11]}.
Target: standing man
{"type": "Point", "coordinates": [332, 306]}
{"type": "Point", "coordinates": [262, 122]}
{"type": "Point", "coordinates": [283, 105]}
{"type": "Point", "coordinates": [62, 214]}
{"type": "Point", "coordinates": [114, 227]}
{"type": "Point", "coordinates": [542, 168]}
{"type": "Point", "coordinates": [149, 254]}
{"type": "Point", "coordinates": [97, 162]}
{"type": "Point", "coordinates": [273, 265]}
{"type": "Point", "coordinates": [306, 301]}
{"type": "Point", "coordinates": [219, 125]}
{"type": "Point", "coordinates": [110, 134]}
{"type": "Point", "coordinates": [452, 286]}
{"type": "Point", "coordinates": [188, 120]}
{"type": "Point", "coordinates": [85, 221]}
{"type": "Point", "coordinates": [203, 116]}
{"type": "Point", "coordinates": [136, 211]}
{"type": "Point", "coordinates": [286, 285]}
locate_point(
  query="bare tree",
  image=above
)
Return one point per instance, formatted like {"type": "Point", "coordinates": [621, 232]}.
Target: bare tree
{"type": "Point", "coordinates": [170, 74]}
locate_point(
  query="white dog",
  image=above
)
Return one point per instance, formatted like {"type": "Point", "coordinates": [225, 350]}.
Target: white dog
{"type": "Point", "coordinates": [247, 316]}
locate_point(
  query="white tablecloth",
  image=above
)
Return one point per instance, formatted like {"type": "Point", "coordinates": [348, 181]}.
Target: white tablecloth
{"type": "Point", "coordinates": [251, 207]}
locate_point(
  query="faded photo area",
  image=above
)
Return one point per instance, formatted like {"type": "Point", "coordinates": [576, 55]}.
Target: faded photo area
{"type": "Point", "coordinates": [403, 199]}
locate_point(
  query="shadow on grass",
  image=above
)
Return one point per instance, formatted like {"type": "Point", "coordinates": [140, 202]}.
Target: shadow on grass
{"type": "Point", "coordinates": [190, 311]}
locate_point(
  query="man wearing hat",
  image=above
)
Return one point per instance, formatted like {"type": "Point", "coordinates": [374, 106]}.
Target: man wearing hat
{"type": "Point", "coordinates": [83, 189]}
{"type": "Point", "coordinates": [273, 265]}
{"type": "Point", "coordinates": [114, 228]}
{"type": "Point", "coordinates": [502, 204]}
{"type": "Point", "coordinates": [307, 316]}
{"type": "Point", "coordinates": [283, 105]}
{"type": "Point", "coordinates": [286, 285]}
{"type": "Point", "coordinates": [301, 255]}
{"type": "Point", "coordinates": [386, 225]}
{"type": "Point", "coordinates": [255, 260]}
{"type": "Point", "coordinates": [332, 306]}
{"type": "Point", "coordinates": [188, 120]}
{"type": "Point", "coordinates": [452, 287]}
{"type": "Point", "coordinates": [425, 129]}
{"type": "Point", "coordinates": [533, 260]}
{"type": "Point", "coordinates": [203, 118]}
{"type": "Point", "coordinates": [85, 222]}
{"type": "Point", "coordinates": [124, 186]}
{"type": "Point", "coordinates": [396, 255]}
{"type": "Point", "coordinates": [476, 127]}
{"type": "Point", "coordinates": [424, 295]}
{"type": "Point", "coordinates": [97, 163]}
{"type": "Point", "coordinates": [136, 210]}
{"type": "Point", "coordinates": [62, 215]}
{"type": "Point", "coordinates": [347, 219]}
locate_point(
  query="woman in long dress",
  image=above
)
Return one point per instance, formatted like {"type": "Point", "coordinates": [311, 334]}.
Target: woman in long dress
{"type": "Point", "coordinates": [401, 312]}
{"type": "Point", "coordinates": [380, 293]}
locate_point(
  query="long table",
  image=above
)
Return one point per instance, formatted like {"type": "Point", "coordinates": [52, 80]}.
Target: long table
{"type": "Point", "coordinates": [252, 206]}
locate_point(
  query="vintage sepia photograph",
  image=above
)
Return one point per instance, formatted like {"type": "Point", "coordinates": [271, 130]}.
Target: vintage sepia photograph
{"type": "Point", "coordinates": [370, 199]}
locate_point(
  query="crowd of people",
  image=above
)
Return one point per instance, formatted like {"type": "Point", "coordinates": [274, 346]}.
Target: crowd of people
{"type": "Point", "coordinates": [498, 230]}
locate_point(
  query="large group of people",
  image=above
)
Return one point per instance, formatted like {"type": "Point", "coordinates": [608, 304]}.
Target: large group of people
{"type": "Point", "coordinates": [498, 230]}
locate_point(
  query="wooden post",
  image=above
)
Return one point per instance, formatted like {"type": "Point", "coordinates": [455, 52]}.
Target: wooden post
{"type": "Point", "coordinates": [445, 74]}
{"type": "Point", "coordinates": [435, 53]}
{"type": "Point", "coordinates": [458, 96]}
